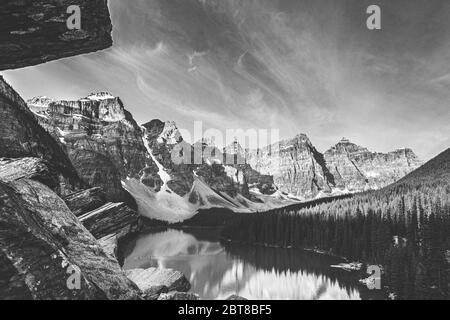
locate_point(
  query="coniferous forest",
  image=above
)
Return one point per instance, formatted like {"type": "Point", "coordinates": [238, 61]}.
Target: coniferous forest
{"type": "Point", "coordinates": [405, 228]}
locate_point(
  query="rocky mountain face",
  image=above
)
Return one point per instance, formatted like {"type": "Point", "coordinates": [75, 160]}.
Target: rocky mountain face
{"type": "Point", "coordinates": [297, 167]}
{"type": "Point", "coordinates": [101, 138]}
{"type": "Point", "coordinates": [187, 177]}
{"type": "Point", "coordinates": [356, 168]}
{"type": "Point", "coordinates": [108, 150]}
{"type": "Point", "coordinates": [35, 31]}
{"type": "Point", "coordinates": [303, 172]}
{"type": "Point", "coordinates": [167, 175]}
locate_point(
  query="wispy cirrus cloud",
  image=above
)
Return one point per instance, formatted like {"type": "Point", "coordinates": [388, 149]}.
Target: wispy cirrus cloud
{"type": "Point", "coordinates": [298, 65]}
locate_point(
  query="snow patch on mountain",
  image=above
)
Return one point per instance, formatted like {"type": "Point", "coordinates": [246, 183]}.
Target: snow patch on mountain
{"type": "Point", "coordinates": [100, 96]}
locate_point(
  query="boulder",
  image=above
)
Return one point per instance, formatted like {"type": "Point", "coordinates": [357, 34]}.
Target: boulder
{"type": "Point", "coordinates": [41, 238]}
{"type": "Point", "coordinates": [180, 296]}
{"type": "Point", "coordinates": [146, 279]}
{"type": "Point", "coordinates": [155, 292]}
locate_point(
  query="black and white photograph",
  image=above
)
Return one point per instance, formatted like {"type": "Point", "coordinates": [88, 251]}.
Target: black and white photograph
{"type": "Point", "coordinates": [240, 152]}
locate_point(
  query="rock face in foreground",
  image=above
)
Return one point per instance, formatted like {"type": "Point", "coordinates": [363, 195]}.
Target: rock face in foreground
{"type": "Point", "coordinates": [22, 136]}
{"type": "Point", "coordinates": [35, 31]}
{"type": "Point", "coordinates": [41, 238]}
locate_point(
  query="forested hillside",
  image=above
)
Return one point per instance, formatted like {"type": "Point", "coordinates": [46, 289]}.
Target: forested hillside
{"type": "Point", "coordinates": [404, 227]}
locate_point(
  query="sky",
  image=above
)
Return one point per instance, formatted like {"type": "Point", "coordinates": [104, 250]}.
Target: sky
{"type": "Point", "coordinates": [300, 66]}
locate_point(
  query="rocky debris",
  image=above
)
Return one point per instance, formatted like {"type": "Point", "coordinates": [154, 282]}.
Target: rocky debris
{"type": "Point", "coordinates": [35, 31]}
{"type": "Point", "coordinates": [355, 168]}
{"type": "Point", "coordinates": [85, 201]}
{"type": "Point", "coordinates": [235, 298]}
{"type": "Point", "coordinates": [30, 168]}
{"type": "Point", "coordinates": [41, 238]}
{"type": "Point", "coordinates": [180, 296]}
{"type": "Point", "coordinates": [146, 279]}
{"type": "Point", "coordinates": [111, 218]}
{"type": "Point", "coordinates": [22, 136]}
{"type": "Point", "coordinates": [101, 138]}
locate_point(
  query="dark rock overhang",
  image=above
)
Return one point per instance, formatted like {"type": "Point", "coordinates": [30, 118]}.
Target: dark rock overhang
{"type": "Point", "coordinates": [35, 31]}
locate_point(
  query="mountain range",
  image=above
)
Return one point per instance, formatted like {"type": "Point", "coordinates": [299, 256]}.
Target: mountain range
{"type": "Point", "coordinates": [134, 163]}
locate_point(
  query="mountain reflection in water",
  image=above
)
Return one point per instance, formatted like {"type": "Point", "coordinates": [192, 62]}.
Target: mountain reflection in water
{"type": "Point", "coordinates": [217, 271]}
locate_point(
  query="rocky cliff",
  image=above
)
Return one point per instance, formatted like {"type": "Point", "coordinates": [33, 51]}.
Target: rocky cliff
{"type": "Point", "coordinates": [35, 31]}
{"type": "Point", "coordinates": [100, 137]}
{"type": "Point", "coordinates": [186, 178]}
{"type": "Point", "coordinates": [355, 168]}
{"type": "Point", "coordinates": [40, 240]}
{"type": "Point", "coordinates": [298, 169]}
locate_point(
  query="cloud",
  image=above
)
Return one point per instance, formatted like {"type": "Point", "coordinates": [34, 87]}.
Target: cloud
{"type": "Point", "coordinates": [297, 65]}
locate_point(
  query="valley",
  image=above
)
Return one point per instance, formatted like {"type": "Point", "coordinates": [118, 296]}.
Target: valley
{"type": "Point", "coordinates": [121, 183]}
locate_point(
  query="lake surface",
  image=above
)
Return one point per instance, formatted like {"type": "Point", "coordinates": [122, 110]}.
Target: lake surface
{"type": "Point", "coordinates": [218, 270]}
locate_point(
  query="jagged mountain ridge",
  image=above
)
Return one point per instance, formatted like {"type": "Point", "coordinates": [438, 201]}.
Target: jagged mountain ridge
{"type": "Point", "coordinates": [300, 170]}
{"type": "Point", "coordinates": [99, 130]}
{"type": "Point", "coordinates": [296, 165]}
{"type": "Point", "coordinates": [356, 168]}
{"type": "Point", "coordinates": [111, 151]}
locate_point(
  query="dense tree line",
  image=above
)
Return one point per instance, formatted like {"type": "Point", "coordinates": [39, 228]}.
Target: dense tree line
{"type": "Point", "coordinates": [404, 228]}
